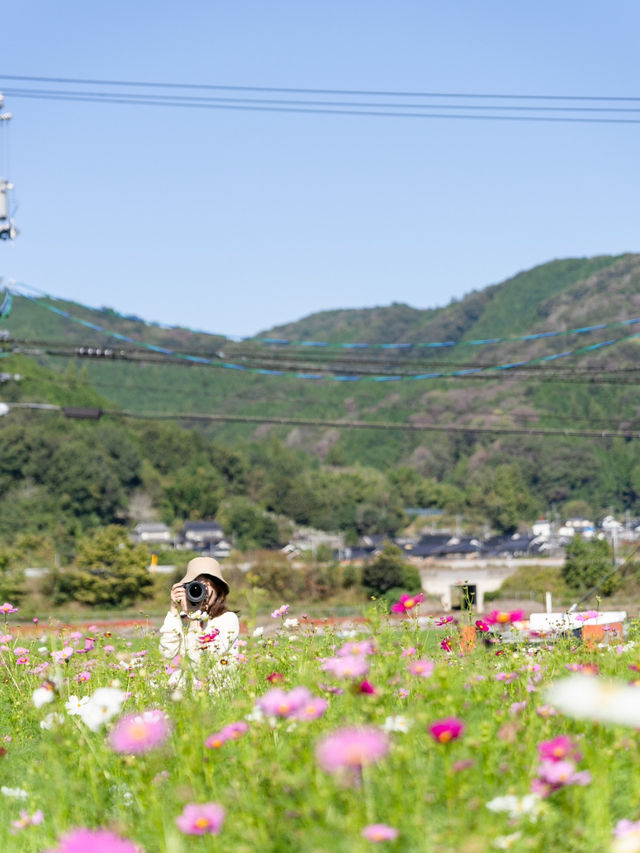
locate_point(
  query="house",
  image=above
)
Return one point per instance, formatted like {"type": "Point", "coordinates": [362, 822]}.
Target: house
{"type": "Point", "coordinates": [151, 533]}
{"type": "Point", "coordinates": [201, 534]}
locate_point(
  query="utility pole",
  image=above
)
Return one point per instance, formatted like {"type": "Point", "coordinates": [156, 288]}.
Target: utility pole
{"type": "Point", "coordinates": [8, 230]}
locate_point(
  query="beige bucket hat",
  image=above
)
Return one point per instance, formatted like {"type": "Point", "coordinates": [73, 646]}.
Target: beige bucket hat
{"type": "Point", "coordinates": [204, 566]}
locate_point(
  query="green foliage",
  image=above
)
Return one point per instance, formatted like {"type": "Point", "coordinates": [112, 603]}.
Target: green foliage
{"type": "Point", "coordinates": [502, 495]}
{"type": "Point", "coordinates": [109, 570]}
{"type": "Point", "coordinates": [389, 571]}
{"type": "Point", "coordinates": [587, 563]}
{"type": "Point", "coordinates": [248, 525]}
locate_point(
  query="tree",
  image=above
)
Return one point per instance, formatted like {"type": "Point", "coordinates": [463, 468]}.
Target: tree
{"type": "Point", "coordinates": [587, 563]}
{"type": "Point", "coordinates": [109, 569]}
{"type": "Point", "coordinates": [389, 571]}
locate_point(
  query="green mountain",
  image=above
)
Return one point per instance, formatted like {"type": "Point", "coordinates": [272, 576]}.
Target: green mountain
{"type": "Point", "coordinates": [589, 390]}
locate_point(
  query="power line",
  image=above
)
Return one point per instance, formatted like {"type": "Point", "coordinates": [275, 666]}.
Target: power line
{"type": "Point", "coordinates": [208, 99]}
{"type": "Point", "coordinates": [398, 113]}
{"type": "Point", "coordinates": [93, 414]}
{"type": "Point", "coordinates": [315, 91]}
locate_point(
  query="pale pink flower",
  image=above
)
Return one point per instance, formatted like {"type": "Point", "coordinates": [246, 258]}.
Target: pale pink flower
{"type": "Point", "coordinates": [363, 648]}
{"type": "Point", "coordinates": [411, 650]}
{"type": "Point", "coordinates": [351, 666]}
{"type": "Point", "coordinates": [8, 608]}
{"type": "Point", "coordinates": [201, 819]}
{"type": "Point", "coordinates": [139, 732]}
{"type": "Point", "coordinates": [379, 832]}
{"type": "Point", "coordinates": [94, 841]}
{"type": "Point", "coordinates": [279, 703]}
{"type": "Point", "coordinates": [281, 611]}
{"type": "Point", "coordinates": [351, 749]}
{"type": "Point", "coordinates": [423, 668]}
{"type": "Point", "coordinates": [312, 709]}
{"type": "Point", "coordinates": [26, 819]}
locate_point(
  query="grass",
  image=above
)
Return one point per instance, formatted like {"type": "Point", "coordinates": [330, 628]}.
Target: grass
{"type": "Point", "coordinates": [276, 796]}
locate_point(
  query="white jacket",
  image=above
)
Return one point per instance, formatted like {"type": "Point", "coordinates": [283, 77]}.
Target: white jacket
{"type": "Point", "coordinates": [181, 636]}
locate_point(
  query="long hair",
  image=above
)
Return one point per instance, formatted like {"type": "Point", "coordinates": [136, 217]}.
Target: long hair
{"type": "Point", "coordinates": [219, 606]}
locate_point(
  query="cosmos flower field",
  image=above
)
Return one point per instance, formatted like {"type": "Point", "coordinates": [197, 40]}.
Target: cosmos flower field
{"type": "Point", "coordinates": [403, 733]}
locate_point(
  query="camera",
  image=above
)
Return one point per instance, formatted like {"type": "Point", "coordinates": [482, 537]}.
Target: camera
{"type": "Point", "coordinates": [196, 592]}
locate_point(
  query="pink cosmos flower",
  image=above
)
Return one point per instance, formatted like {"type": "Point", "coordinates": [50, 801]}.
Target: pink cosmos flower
{"type": "Point", "coordinates": [365, 687]}
{"type": "Point", "coordinates": [379, 832]}
{"type": "Point", "coordinates": [312, 709]}
{"type": "Point", "coordinates": [206, 639]}
{"type": "Point", "coordinates": [588, 614]}
{"type": "Point", "coordinates": [136, 733]}
{"type": "Point", "coordinates": [447, 729]}
{"type": "Point", "coordinates": [558, 749]}
{"type": "Point", "coordinates": [349, 649]}
{"type": "Point", "coordinates": [96, 841]}
{"type": "Point", "coordinates": [233, 731]}
{"type": "Point", "coordinates": [108, 649]}
{"type": "Point", "coordinates": [423, 668]}
{"type": "Point", "coordinates": [351, 749]}
{"type": "Point", "coordinates": [443, 620]}
{"type": "Point", "coordinates": [584, 668]}
{"type": "Point", "coordinates": [503, 617]}
{"type": "Point", "coordinates": [445, 644]}
{"type": "Point", "coordinates": [8, 608]}
{"type": "Point", "coordinates": [279, 703]}
{"type": "Point", "coordinates": [481, 625]}
{"type": "Point", "coordinates": [275, 678]}
{"type": "Point", "coordinates": [26, 819]}
{"type": "Point", "coordinates": [22, 661]}
{"type": "Point", "coordinates": [20, 650]}
{"type": "Point", "coordinates": [407, 603]}
{"type": "Point", "coordinates": [517, 707]}
{"type": "Point", "coordinates": [201, 819]}
{"type": "Point", "coordinates": [82, 676]}
{"type": "Point", "coordinates": [281, 611]}
{"type": "Point", "coordinates": [411, 650]}
{"type": "Point", "coordinates": [351, 666]}
{"type": "Point", "coordinates": [553, 775]}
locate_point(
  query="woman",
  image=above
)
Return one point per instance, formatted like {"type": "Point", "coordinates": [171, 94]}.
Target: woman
{"type": "Point", "coordinates": [203, 635]}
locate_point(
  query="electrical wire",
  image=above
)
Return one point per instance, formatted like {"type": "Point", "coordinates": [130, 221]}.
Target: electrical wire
{"type": "Point", "coordinates": [314, 91]}
{"type": "Point", "coordinates": [348, 110]}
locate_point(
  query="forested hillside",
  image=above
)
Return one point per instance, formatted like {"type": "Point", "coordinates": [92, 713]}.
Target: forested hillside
{"type": "Point", "coordinates": [483, 451]}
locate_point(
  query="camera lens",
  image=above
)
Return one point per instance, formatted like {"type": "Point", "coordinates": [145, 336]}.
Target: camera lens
{"type": "Point", "coordinates": [196, 592]}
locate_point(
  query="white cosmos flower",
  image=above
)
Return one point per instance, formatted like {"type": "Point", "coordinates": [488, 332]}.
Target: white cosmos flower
{"type": "Point", "coordinates": [506, 842]}
{"type": "Point", "coordinates": [516, 807]}
{"type": "Point", "coordinates": [396, 723]}
{"type": "Point", "coordinates": [290, 623]}
{"type": "Point", "coordinates": [15, 793]}
{"type": "Point", "coordinates": [590, 698]}
{"type": "Point", "coordinates": [258, 632]}
{"type": "Point", "coordinates": [52, 720]}
{"type": "Point", "coordinates": [74, 703]}
{"type": "Point", "coordinates": [42, 696]}
{"type": "Point", "coordinates": [102, 706]}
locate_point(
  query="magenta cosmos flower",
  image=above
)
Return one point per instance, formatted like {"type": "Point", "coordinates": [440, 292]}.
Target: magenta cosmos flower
{"type": "Point", "coordinates": [96, 841]}
{"type": "Point", "coordinates": [351, 749]}
{"type": "Point", "coordinates": [139, 732]}
{"type": "Point", "coordinates": [201, 819]}
{"type": "Point", "coordinates": [407, 603]}
{"type": "Point", "coordinates": [450, 728]}
{"type": "Point", "coordinates": [558, 749]}
{"type": "Point", "coordinates": [379, 832]}
{"type": "Point", "coordinates": [504, 617]}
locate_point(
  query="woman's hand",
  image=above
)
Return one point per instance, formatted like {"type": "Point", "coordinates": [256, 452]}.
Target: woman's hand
{"type": "Point", "coordinates": [178, 599]}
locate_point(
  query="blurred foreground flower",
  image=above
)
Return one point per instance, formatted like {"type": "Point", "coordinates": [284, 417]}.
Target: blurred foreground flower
{"type": "Point", "coordinates": [516, 807]}
{"type": "Point", "coordinates": [94, 841]}
{"type": "Point", "coordinates": [8, 608]}
{"type": "Point", "coordinates": [379, 832]}
{"type": "Point", "coordinates": [351, 749]}
{"type": "Point", "coordinates": [139, 732]}
{"type": "Point", "coordinates": [349, 666]}
{"type": "Point", "coordinates": [102, 706]}
{"type": "Point", "coordinates": [627, 837]}
{"type": "Point", "coordinates": [26, 820]}
{"type": "Point", "coordinates": [592, 698]}
{"type": "Point", "coordinates": [201, 819]}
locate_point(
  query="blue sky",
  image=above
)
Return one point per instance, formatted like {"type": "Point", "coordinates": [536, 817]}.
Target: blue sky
{"type": "Point", "coordinates": [237, 221]}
